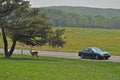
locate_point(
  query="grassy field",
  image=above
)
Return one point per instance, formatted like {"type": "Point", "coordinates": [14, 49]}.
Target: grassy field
{"type": "Point", "coordinates": [79, 38]}
{"type": "Point", "coordinates": [21, 67]}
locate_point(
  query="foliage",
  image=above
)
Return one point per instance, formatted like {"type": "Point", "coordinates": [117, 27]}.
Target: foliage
{"type": "Point", "coordinates": [48, 68]}
{"type": "Point", "coordinates": [7, 7]}
{"type": "Point", "coordinates": [83, 17]}
{"type": "Point", "coordinates": [108, 13]}
{"type": "Point", "coordinates": [25, 25]}
{"type": "Point", "coordinates": [55, 38]}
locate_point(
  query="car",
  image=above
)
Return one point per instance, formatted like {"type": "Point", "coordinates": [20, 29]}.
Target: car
{"type": "Point", "coordinates": [94, 52]}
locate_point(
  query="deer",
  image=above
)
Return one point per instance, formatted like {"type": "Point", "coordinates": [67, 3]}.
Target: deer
{"type": "Point", "coordinates": [35, 53]}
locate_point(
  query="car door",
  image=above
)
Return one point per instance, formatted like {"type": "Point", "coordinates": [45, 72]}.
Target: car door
{"type": "Point", "coordinates": [90, 53]}
{"type": "Point", "coordinates": [86, 53]}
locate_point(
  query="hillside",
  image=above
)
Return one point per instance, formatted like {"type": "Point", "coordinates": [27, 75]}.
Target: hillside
{"type": "Point", "coordinates": [83, 17]}
{"type": "Point", "coordinates": [88, 11]}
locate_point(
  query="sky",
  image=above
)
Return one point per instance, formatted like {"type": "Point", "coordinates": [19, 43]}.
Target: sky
{"type": "Point", "coordinates": [86, 3]}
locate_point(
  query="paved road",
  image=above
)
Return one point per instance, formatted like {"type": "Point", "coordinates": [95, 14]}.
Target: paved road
{"type": "Point", "coordinates": [60, 54]}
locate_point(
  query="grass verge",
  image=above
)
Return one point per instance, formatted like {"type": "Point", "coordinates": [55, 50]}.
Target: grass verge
{"type": "Point", "coordinates": [23, 67]}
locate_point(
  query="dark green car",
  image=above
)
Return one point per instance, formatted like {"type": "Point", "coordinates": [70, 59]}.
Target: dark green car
{"type": "Point", "coordinates": [94, 52]}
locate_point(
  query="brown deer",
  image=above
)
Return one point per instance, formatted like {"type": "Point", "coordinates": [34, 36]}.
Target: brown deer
{"type": "Point", "coordinates": [35, 53]}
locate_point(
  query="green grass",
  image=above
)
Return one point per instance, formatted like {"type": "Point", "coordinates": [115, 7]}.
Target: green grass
{"type": "Point", "coordinates": [108, 40]}
{"type": "Point", "coordinates": [79, 38]}
{"type": "Point", "coordinates": [21, 67]}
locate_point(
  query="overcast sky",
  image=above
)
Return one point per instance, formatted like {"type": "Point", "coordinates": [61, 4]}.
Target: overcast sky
{"type": "Point", "coordinates": [87, 3]}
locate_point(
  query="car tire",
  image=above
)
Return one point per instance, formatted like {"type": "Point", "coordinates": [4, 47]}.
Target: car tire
{"type": "Point", "coordinates": [96, 57]}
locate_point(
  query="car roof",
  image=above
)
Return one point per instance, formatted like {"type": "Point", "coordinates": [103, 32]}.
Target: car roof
{"type": "Point", "coordinates": [89, 48]}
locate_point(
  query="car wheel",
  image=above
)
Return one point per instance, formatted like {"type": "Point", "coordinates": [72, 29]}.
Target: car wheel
{"type": "Point", "coordinates": [82, 56]}
{"type": "Point", "coordinates": [96, 57]}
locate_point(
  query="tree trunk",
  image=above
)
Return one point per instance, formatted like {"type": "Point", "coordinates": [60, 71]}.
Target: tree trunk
{"type": "Point", "coordinates": [12, 47]}
{"type": "Point", "coordinates": [7, 53]}
{"type": "Point", "coordinates": [5, 42]}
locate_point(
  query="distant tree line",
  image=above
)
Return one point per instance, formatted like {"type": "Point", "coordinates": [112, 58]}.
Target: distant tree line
{"type": "Point", "coordinates": [71, 19]}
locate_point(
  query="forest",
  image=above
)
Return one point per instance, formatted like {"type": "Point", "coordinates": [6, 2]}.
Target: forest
{"type": "Point", "coordinates": [83, 17]}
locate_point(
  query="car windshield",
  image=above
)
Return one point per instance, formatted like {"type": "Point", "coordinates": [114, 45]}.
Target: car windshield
{"type": "Point", "coordinates": [96, 49]}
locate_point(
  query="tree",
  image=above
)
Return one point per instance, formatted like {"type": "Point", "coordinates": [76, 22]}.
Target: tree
{"type": "Point", "coordinates": [25, 25]}
{"type": "Point", "coordinates": [6, 8]}
{"type": "Point", "coordinates": [101, 21]}
{"type": "Point", "coordinates": [114, 23]}
{"type": "Point", "coordinates": [55, 39]}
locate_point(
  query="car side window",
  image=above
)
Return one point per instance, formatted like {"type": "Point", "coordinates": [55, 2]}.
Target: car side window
{"type": "Point", "coordinates": [90, 51]}
{"type": "Point", "coordinates": [85, 51]}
